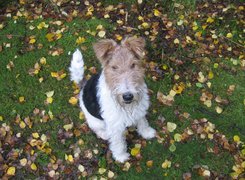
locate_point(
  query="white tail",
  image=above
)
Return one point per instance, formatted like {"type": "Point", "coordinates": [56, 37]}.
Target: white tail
{"type": "Point", "coordinates": [76, 68]}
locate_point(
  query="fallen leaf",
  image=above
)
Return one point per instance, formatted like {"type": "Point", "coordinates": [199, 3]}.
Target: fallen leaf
{"type": "Point", "coordinates": [110, 174]}
{"type": "Point", "coordinates": [149, 163]}
{"type": "Point", "coordinates": [73, 100]}
{"type": "Point", "coordinates": [172, 147]}
{"type": "Point", "coordinates": [21, 99]}
{"type": "Point", "coordinates": [177, 137]}
{"type": "Point", "coordinates": [102, 170]}
{"type": "Point", "coordinates": [218, 109]}
{"type": "Point", "coordinates": [166, 164]}
{"type": "Point", "coordinates": [11, 171]}
{"type": "Point", "coordinates": [101, 33]}
{"type": "Point", "coordinates": [171, 126]}
{"type": "Point", "coordinates": [33, 167]}
{"type": "Point", "coordinates": [135, 151]}
{"type": "Point", "coordinates": [81, 168]}
{"type": "Point", "coordinates": [23, 162]}
{"type": "Point", "coordinates": [49, 94]}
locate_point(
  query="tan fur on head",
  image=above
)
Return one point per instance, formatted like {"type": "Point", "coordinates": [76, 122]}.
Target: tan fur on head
{"type": "Point", "coordinates": [103, 49]}
{"type": "Point", "coordinates": [122, 64]}
{"type": "Point", "coordinates": [136, 45]}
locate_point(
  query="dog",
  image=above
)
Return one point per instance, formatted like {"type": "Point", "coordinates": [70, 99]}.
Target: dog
{"type": "Point", "coordinates": [117, 97]}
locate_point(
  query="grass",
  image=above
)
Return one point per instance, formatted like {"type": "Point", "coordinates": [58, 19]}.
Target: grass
{"type": "Point", "coordinates": [16, 82]}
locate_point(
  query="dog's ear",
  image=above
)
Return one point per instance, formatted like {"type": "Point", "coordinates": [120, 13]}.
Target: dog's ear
{"type": "Point", "coordinates": [103, 49]}
{"type": "Point", "coordinates": [136, 45]}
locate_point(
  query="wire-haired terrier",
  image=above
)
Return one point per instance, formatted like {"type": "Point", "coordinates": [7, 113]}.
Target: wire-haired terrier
{"type": "Point", "coordinates": [117, 97]}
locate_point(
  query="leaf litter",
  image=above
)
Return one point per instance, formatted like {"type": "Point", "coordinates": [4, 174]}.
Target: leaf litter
{"type": "Point", "coordinates": [195, 32]}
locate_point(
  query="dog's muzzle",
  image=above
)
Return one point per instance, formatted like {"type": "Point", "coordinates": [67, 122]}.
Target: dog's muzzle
{"type": "Point", "coordinates": [128, 97]}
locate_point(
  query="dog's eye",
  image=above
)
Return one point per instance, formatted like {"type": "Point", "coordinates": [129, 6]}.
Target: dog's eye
{"type": "Point", "coordinates": [132, 66]}
{"type": "Point", "coordinates": [114, 67]}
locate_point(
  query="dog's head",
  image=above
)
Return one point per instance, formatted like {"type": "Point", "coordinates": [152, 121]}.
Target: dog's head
{"type": "Point", "coordinates": [122, 66]}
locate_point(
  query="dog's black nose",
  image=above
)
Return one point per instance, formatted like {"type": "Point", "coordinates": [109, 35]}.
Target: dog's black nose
{"type": "Point", "coordinates": [128, 97]}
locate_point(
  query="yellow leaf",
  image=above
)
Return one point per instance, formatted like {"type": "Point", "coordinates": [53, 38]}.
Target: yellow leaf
{"type": "Point", "coordinates": [120, 22]}
{"type": "Point", "coordinates": [102, 170]}
{"type": "Point", "coordinates": [68, 127]}
{"type": "Point", "coordinates": [177, 137]}
{"type": "Point", "coordinates": [22, 1]}
{"type": "Point", "coordinates": [210, 75]}
{"type": "Point", "coordinates": [33, 167]}
{"type": "Point", "coordinates": [81, 115]}
{"type": "Point", "coordinates": [80, 40]}
{"type": "Point", "coordinates": [149, 163]}
{"type": "Point", "coordinates": [166, 164]}
{"type": "Point", "coordinates": [140, 18]}
{"type": "Point", "coordinates": [156, 12]}
{"type": "Point", "coordinates": [236, 138]}
{"type": "Point", "coordinates": [63, 75]}
{"type": "Point", "coordinates": [171, 126]}
{"type": "Point", "coordinates": [99, 27]}
{"type": "Point", "coordinates": [50, 37]}
{"type": "Point", "coordinates": [11, 171]}
{"type": "Point", "coordinates": [73, 100]}
{"type": "Point", "coordinates": [40, 79]}
{"type": "Point", "coordinates": [145, 25]}
{"type": "Point", "coordinates": [176, 41]}
{"type": "Point", "coordinates": [42, 25]}
{"type": "Point", "coordinates": [179, 88]}
{"type": "Point", "coordinates": [180, 22]}
{"type": "Point", "coordinates": [23, 162]}
{"type": "Point", "coordinates": [126, 166]}
{"type": "Point", "coordinates": [50, 113]}
{"type": "Point", "coordinates": [165, 67]}
{"type": "Point", "coordinates": [32, 41]}
{"type": "Point", "coordinates": [172, 93]}
{"type": "Point", "coordinates": [49, 94]}
{"type": "Point", "coordinates": [81, 168]}
{"type": "Point", "coordinates": [69, 158]}
{"type": "Point", "coordinates": [198, 34]}
{"type": "Point", "coordinates": [54, 74]}
{"type": "Point", "coordinates": [118, 37]}
{"type": "Point", "coordinates": [194, 28]}
{"type": "Point", "coordinates": [22, 125]}
{"type": "Point", "coordinates": [135, 151]}
{"type": "Point", "coordinates": [110, 174]}
{"type": "Point", "coordinates": [188, 39]}
{"type": "Point", "coordinates": [43, 60]}
{"type": "Point", "coordinates": [218, 109]}
{"type": "Point", "coordinates": [35, 135]}
{"type": "Point", "coordinates": [210, 20]}
{"type": "Point", "coordinates": [1, 118]}
{"type": "Point", "coordinates": [106, 16]}
{"type": "Point", "coordinates": [49, 100]}
{"type": "Point", "coordinates": [216, 65]}
{"type": "Point", "coordinates": [208, 103]}
{"type": "Point", "coordinates": [21, 99]}
{"type": "Point", "coordinates": [229, 35]}
{"type": "Point", "coordinates": [101, 33]}
{"type": "Point", "coordinates": [206, 173]}
{"type": "Point", "coordinates": [58, 36]}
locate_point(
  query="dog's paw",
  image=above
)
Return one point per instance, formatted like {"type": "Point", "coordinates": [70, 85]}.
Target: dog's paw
{"type": "Point", "coordinates": [121, 157]}
{"type": "Point", "coordinates": [148, 133]}
{"type": "Point", "coordinates": [102, 135]}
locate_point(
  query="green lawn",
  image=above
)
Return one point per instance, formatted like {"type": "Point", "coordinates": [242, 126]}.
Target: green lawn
{"type": "Point", "coordinates": [194, 49]}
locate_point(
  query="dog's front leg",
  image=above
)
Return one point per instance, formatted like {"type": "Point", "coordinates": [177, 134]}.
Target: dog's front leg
{"type": "Point", "coordinates": [118, 144]}
{"type": "Point", "coordinates": [144, 129]}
